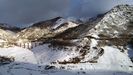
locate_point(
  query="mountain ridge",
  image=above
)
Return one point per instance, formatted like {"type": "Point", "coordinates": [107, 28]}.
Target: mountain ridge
{"type": "Point", "coordinates": [104, 26]}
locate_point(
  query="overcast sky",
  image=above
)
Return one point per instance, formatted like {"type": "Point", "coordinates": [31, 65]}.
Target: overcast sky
{"type": "Point", "coordinates": [22, 12]}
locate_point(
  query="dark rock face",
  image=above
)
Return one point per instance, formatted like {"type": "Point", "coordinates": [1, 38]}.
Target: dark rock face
{"type": "Point", "coordinates": [47, 23]}
{"type": "Point", "coordinates": [6, 60]}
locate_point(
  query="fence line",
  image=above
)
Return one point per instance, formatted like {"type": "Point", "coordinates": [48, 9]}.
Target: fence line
{"type": "Point", "coordinates": [28, 45]}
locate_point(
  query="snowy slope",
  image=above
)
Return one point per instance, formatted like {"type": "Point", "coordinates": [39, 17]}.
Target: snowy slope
{"type": "Point", "coordinates": [112, 62]}
{"type": "Point", "coordinates": [20, 54]}
{"type": "Point", "coordinates": [63, 24]}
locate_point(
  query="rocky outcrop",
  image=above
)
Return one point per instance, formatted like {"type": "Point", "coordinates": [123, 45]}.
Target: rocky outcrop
{"type": "Point", "coordinates": [6, 60]}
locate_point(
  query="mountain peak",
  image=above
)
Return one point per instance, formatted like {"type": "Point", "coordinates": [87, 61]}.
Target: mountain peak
{"type": "Point", "coordinates": [122, 7]}
{"type": "Point", "coordinates": [55, 19]}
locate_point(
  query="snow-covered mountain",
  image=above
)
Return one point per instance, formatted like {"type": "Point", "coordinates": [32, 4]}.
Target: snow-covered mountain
{"type": "Point", "coordinates": [100, 46]}
{"type": "Point", "coordinates": [46, 29]}
{"type": "Point", "coordinates": [116, 22]}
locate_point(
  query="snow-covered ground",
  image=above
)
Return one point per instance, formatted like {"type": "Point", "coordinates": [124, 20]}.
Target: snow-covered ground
{"type": "Point", "coordinates": [20, 54]}
{"type": "Point", "coordinates": [36, 61]}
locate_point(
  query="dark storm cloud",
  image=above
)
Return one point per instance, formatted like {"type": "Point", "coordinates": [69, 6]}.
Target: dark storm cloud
{"type": "Point", "coordinates": [21, 12]}
{"type": "Point", "coordinates": [28, 11]}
